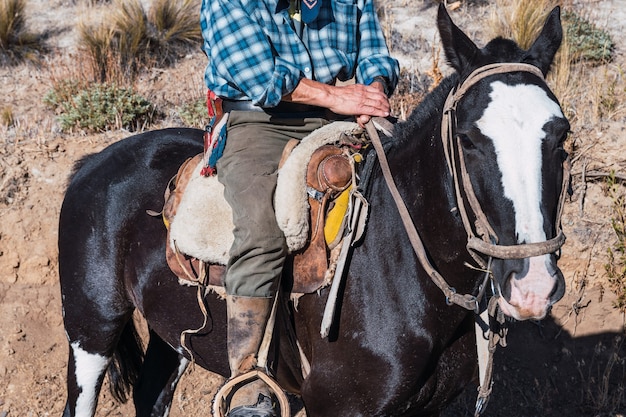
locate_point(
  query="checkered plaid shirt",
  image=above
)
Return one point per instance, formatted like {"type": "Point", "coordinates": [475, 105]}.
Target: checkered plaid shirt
{"type": "Point", "coordinates": [256, 54]}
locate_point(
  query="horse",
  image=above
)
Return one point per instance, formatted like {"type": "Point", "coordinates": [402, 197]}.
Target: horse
{"type": "Point", "coordinates": [398, 346]}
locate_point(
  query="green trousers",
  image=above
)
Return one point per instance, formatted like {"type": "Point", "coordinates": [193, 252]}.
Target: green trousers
{"type": "Point", "coordinates": [248, 170]}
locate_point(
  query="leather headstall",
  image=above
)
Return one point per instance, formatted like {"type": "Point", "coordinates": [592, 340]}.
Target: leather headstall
{"type": "Point", "coordinates": [482, 239]}
{"type": "Point", "coordinates": [486, 243]}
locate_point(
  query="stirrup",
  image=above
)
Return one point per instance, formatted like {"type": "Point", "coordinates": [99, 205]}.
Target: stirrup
{"type": "Point", "coordinates": [224, 392]}
{"type": "Point", "coordinates": [263, 408]}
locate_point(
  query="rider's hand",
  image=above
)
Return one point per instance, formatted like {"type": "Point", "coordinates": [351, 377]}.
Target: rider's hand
{"type": "Point", "coordinates": [364, 118]}
{"type": "Point", "coordinates": [361, 101]}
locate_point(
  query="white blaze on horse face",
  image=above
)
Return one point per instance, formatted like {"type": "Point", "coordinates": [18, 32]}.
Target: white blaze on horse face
{"type": "Point", "coordinates": [514, 121]}
{"type": "Point", "coordinates": [89, 368]}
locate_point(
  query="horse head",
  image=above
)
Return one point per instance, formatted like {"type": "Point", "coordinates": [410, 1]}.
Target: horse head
{"type": "Point", "coordinates": [506, 151]}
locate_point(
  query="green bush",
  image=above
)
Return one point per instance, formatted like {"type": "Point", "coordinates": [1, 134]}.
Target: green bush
{"type": "Point", "coordinates": [100, 107]}
{"type": "Point", "coordinates": [194, 114]}
{"type": "Point", "coordinates": [587, 42]}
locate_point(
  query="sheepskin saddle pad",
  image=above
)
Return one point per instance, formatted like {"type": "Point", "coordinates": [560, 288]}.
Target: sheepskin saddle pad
{"type": "Point", "coordinates": [199, 220]}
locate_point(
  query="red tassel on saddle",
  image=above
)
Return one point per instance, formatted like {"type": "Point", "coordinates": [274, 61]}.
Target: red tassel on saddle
{"type": "Point", "coordinates": [213, 138]}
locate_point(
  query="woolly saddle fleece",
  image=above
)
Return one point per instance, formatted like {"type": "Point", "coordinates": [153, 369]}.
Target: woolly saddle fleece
{"type": "Point", "coordinates": [203, 226]}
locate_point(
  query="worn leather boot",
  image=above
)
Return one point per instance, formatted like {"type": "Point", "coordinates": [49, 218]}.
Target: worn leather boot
{"type": "Point", "coordinates": [247, 318]}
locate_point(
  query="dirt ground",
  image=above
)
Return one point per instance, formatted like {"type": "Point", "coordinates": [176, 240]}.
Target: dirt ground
{"type": "Point", "coordinates": [571, 364]}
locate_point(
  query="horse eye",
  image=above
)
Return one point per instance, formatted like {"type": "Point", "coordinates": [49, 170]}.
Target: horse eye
{"type": "Point", "coordinates": [564, 137]}
{"type": "Point", "coordinates": [466, 142]}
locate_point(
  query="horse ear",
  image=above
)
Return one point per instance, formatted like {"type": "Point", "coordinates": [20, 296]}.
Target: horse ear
{"type": "Point", "coordinates": [459, 49]}
{"type": "Point", "coordinates": [543, 50]}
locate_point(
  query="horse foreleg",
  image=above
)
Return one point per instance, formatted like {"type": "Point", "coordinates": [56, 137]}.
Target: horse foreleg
{"type": "Point", "coordinates": [85, 374]}
{"type": "Point", "coordinates": [162, 369]}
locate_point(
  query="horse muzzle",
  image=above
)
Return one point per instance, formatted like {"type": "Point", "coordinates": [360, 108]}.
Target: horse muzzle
{"type": "Point", "coordinates": [531, 286]}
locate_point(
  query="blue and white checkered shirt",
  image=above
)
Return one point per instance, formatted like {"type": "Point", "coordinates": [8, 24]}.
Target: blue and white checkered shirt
{"type": "Point", "coordinates": [256, 54]}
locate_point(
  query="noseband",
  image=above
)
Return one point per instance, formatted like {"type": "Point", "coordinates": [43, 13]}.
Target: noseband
{"type": "Point", "coordinates": [482, 239]}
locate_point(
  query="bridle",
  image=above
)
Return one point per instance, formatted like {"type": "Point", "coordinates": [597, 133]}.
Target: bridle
{"type": "Point", "coordinates": [481, 238]}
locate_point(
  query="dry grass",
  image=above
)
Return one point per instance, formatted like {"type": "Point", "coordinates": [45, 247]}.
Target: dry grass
{"type": "Point", "coordinates": [176, 26]}
{"type": "Point", "coordinates": [616, 267]}
{"type": "Point", "coordinates": [17, 42]}
{"type": "Point", "coordinates": [520, 20]}
{"type": "Point", "coordinates": [603, 390]}
{"type": "Point", "coordinates": [132, 39]}
{"type": "Point", "coordinates": [584, 46]}
{"type": "Point", "coordinates": [104, 64]}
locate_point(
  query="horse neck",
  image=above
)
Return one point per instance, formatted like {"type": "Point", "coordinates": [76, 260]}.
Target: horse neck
{"type": "Point", "coordinates": [423, 178]}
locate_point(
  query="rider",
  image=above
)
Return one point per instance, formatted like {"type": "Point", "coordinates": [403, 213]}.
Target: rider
{"type": "Point", "coordinates": [275, 64]}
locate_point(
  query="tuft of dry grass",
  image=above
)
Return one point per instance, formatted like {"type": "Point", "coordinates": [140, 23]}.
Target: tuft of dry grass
{"type": "Point", "coordinates": [104, 64]}
{"type": "Point", "coordinates": [17, 43]}
{"type": "Point", "coordinates": [130, 35]}
{"type": "Point", "coordinates": [132, 38]}
{"type": "Point", "coordinates": [7, 118]}
{"type": "Point", "coordinates": [520, 21]}
{"type": "Point", "coordinates": [176, 26]}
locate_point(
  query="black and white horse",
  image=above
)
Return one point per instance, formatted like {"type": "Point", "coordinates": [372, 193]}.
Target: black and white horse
{"type": "Point", "coordinates": [397, 347]}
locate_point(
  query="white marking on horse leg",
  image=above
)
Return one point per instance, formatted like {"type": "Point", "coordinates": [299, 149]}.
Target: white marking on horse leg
{"type": "Point", "coordinates": [89, 368]}
{"type": "Point", "coordinates": [181, 370]}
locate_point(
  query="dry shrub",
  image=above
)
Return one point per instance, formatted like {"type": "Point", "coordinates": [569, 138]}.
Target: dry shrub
{"type": "Point", "coordinates": [17, 43]}
{"type": "Point", "coordinates": [102, 107]}
{"type": "Point", "coordinates": [408, 94]}
{"type": "Point", "coordinates": [132, 39]}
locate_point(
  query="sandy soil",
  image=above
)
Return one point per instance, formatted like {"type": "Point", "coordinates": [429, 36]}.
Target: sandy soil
{"type": "Point", "coordinates": [573, 363]}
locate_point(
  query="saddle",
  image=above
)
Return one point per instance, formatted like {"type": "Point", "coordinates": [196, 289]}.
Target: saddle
{"type": "Point", "coordinates": [313, 233]}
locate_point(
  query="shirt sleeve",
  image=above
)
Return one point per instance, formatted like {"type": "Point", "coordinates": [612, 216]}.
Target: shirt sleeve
{"type": "Point", "coordinates": [374, 59]}
{"type": "Point", "coordinates": [242, 61]}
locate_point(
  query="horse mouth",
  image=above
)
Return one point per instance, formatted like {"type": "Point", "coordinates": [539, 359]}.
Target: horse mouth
{"type": "Point", "coordinates": [532, 296]}
{"type": "Point", "coordinates": [538, 311]}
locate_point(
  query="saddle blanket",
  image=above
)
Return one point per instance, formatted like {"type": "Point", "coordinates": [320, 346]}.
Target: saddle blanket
{"type": "Point", "coordinates": [202, 226]}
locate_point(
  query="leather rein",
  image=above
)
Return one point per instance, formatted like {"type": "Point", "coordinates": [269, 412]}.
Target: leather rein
{"type": "Point", "coordinates": [482, 239]}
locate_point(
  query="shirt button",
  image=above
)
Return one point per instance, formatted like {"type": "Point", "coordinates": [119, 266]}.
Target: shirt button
{"type": "Point", "coordinates": [307, 69]}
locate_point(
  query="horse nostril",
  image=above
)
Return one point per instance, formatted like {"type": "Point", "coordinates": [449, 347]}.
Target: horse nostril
{"type": "Point", "coordinates": [551, 266]}
{"type": "Point", "coordinates": [559, 287]}
{"type": "Point", "coordinates": [505, 289]}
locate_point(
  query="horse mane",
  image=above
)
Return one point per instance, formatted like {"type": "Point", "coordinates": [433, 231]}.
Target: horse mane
{"type": "Point", "coordinates": [429, 109]}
